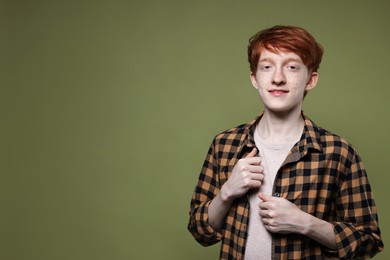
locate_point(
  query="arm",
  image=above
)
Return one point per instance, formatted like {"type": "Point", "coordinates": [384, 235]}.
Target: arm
{"type": "Point", "coordinates": [282, 216]}
{"type": "Point", "coordinates": [206, 190]}
{"type": "Point", "coordinates": [355, 234]}
{"type": "Point", "coordinates": [210, 204]}
{"type": "Point", "coordinates": [357, 230]}
{"type": "Point", "coordinates": [246, 174]}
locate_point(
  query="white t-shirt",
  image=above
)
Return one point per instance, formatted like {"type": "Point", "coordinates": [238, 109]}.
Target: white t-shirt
{"type": "Point", "coordinates": [259, 241]}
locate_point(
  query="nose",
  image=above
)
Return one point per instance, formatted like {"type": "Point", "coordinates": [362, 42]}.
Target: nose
{"type": "Point", "coordinates": [278, 78]}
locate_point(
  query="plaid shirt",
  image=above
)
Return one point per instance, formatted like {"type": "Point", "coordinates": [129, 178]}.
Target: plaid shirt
{"type": "Point", "coordinates": [323, 175]}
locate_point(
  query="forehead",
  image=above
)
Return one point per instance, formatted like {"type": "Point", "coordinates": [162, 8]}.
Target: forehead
{"type": "Point", "coordinates": [278, 55]}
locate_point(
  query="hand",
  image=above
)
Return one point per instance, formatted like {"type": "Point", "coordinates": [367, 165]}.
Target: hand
{"type": "Point", "coordinates": [246, 174]}
{"type": "Point", "coordinates": [282, 216]}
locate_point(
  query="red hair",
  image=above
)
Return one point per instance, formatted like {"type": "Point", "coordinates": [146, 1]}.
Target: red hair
{"type": "Point", "coordinates": [286, 38]}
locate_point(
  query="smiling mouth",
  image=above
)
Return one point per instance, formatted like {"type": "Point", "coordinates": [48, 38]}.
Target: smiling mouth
{"type": "Point", "coordinates": [278, 92]}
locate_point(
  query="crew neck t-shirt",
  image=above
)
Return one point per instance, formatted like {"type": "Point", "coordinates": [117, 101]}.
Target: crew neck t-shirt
{"type": "Point", "coordinates": [259, 241]}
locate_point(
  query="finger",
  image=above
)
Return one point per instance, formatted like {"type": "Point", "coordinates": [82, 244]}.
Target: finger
{"type": "Point", "coordinates": [264, 205]}
{"type": "Point", "coordinates": [257, 176]}
{"type": "Point", "coordinates": [254, 168]}
{"type": "Point", "coordinates": [263, 213]}
{"type": "Point", "coordinates": [244, 167]}
{"type": "Point", "coordinates": [253, 160]}
{"type": "Point", "coordinates": [254, 184]}
{"type": "Point", "coordinates": [265, 197]}
{"type": "Point", "coordinates": [267, 224]}
{"type": "Point", "coordinates": [253, 153]}
{"type": "Point", "coordinates": [264, 220]}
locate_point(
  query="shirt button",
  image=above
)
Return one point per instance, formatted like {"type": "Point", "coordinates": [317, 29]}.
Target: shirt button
{"type": "Point", "coordinates": [276, 194]}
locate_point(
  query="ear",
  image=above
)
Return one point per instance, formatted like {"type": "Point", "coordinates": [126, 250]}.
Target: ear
{"type": "Point", "coordinates": [312, 82]}
{"type": "Point", "coordinates": [253, 80]}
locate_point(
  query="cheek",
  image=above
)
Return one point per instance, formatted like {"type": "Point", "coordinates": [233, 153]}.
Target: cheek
{"type": "Point", "coordinates": [297, 83]}
{"type": "Point", "coordinates": [262, 81]}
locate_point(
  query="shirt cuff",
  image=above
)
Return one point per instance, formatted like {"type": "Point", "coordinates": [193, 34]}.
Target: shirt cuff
{"type": "Point", "coordinates": [207, 233]}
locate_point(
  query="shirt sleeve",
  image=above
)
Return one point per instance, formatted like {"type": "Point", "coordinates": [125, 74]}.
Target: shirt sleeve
{"type": "Point", "coordinates": [356, 229]}
{"type": "Point", "coordinates": [206, 189]}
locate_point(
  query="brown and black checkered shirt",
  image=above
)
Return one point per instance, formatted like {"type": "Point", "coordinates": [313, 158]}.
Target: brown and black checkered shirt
{"type": "Point", "coordinates": [322, 174]}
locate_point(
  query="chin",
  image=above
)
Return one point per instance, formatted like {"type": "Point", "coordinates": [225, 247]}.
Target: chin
{"type": "Point", "coordinates": [278, 108]}
{"type": "Point", "coordinates": [281, 110]}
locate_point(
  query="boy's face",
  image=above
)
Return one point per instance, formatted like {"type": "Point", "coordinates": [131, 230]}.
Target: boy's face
{"type": "Point", "coordinates": [281, 79]}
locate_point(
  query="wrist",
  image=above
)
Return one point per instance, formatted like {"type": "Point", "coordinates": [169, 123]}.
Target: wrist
{"type": "Point", "coordinates": [225, 195]}
{"type": "Point", "coordinates": [319, 230]}
{"type": "Point", "coordinates": [307, 223]}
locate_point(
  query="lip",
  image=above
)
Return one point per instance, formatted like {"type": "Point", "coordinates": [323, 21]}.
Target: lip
{"type": "Point", "coordinates": [278, 92]}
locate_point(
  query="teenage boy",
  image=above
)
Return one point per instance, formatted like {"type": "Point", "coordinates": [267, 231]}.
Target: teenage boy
{"type": "Point", "coordinates": [280, 187]}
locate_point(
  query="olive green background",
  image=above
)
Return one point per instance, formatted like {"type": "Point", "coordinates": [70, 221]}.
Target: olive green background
{"type": "Point", "coordinates": [108, 109]}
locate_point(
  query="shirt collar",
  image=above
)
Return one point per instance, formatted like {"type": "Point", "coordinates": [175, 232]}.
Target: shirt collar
{"type": "Point", "coordinates": [248, 132]}
{"type": "Point", "coordinates": [310, 138]}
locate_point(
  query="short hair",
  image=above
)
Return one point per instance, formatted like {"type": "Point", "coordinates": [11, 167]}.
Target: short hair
{"type": "Point", "coordinates": [285, 38]}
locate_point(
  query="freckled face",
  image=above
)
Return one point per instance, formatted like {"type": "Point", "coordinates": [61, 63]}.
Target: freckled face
{"type": "Point", "coordinates": [281, 80]}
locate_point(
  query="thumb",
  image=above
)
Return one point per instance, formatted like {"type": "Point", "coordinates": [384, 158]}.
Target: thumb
{"type": "Point", "coordinates": [265, 197]}
{"type": "Point", "coordinates": [253, 153]}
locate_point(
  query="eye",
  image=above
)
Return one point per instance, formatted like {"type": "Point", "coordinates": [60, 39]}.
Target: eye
{"type": "Point", "coordinates": [293, 67]}
{"type": "Point", "coordinates": [265, 67]}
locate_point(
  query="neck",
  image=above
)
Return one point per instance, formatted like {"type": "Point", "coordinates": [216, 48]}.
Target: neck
{"type": "Point", "coordinates": [281, 128]}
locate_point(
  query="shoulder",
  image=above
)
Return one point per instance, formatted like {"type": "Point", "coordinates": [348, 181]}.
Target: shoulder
{"type": "Point", "coordinates": [323, 138]}
{"type": "Point", "coordinates": [234, 135]}
{"type": "Point", "coordinates": [335, 144]}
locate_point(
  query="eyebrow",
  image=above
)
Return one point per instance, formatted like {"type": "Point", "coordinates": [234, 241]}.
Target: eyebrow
{"type": "Point", "coordinates": [286, 61]}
